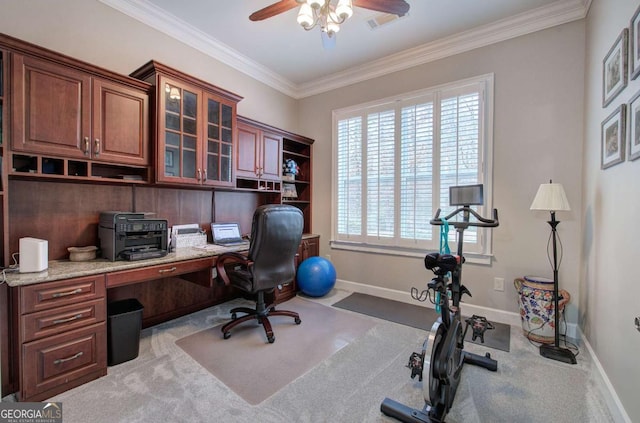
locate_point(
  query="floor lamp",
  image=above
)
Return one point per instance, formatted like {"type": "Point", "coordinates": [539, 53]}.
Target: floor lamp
{"type": "Point", "coordinates": [551, 197]}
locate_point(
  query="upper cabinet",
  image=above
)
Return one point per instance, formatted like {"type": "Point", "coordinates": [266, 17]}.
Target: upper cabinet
{"type": "Point", "coordinates": [258, 156]}
{"type": "Point", "coordinates": [195, 128]}
{"type": "Point", "coordinates": [64, 111]}
{"type": "Point", "coordinates": [261, 152]}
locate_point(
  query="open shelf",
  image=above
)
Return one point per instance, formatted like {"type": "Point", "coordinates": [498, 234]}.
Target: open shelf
{"type": "Point", "coordinates": [258, 185]}
{"type": "Point", "coordinates": [27, 165]}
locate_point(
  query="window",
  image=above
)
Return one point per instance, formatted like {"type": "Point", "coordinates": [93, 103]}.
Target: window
{"type": "Point", "coordinates": [395, 160]}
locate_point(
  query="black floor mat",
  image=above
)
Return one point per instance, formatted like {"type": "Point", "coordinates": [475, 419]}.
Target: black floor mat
{"type": "Point", "coordinates": [418, 317]}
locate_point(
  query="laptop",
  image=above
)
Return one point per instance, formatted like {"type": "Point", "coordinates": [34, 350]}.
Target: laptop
{"type": "Point", "coordinates": [227, 234]}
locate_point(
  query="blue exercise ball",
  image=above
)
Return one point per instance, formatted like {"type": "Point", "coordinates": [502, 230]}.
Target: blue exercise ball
{"type": "Point", "coordinates": [316, 276]}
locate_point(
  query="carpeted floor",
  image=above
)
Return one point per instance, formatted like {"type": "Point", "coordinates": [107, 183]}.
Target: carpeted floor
{"type": "Point", "coordinates": [419, 317]}
{"type": "Point", "coordinates": [164, 384]}
{"type": "Point", "coordinates": [297, 349]}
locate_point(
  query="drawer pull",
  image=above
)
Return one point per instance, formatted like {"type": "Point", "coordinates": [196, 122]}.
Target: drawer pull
{"type": "Point", "coordinates": [64, 294]}
{"type": "Point", "coordinates": [64, 360]}
{"type": "Point", "coordinates": [70, 319]}
{"type": "Point", "coordinates": [173, 269]}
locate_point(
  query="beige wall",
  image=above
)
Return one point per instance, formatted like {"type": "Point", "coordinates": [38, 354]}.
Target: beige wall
{"type": "Point", "coordinates": [610, 285]}
{"type": "Point", "coordinates": [98, 34]}
{"type": "Point", "coordinates": [538, 131]}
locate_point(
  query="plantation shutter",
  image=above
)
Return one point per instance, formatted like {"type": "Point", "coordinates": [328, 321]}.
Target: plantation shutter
{"type": "Point", "coordinates": [350, 176]}
{"type": "Point", "coordinates": [380, 174]}
{"type": "Point", "coordinates": [416, 176]}
{"type": "Point", "coordinates": [396, 159]}
{"type": "Point", "coordinates": [459, 148]}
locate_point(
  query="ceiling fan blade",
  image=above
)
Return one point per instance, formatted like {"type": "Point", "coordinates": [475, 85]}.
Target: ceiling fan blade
{"type": "Point", "coordinates": [394, 7]}
{"type": "Point", "coordinates": [274, 9]}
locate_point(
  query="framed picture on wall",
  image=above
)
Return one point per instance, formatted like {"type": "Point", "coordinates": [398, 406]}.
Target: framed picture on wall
{"type": "Point", "coordinates": [634, 127]}
{"type": "Point", "coordinates": [634, 44]}
{"type": "Point", "coordinates": [614, 69]}
{"type": "Point", "coordinates": [613, 137]}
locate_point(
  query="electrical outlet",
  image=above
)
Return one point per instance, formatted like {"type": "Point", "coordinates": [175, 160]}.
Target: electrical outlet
{"type": "Point", "coordinates": [328, 256]}
{"type": "Point", "coordinates": [498, 284]}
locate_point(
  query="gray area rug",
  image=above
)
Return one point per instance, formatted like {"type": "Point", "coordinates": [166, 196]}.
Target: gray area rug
{"type": "Point", "coordinates": [418, 317]}
{"type": "Point", "coordinates": [296, 350]}
{"type": "Point", "coordinates": [165, 384]}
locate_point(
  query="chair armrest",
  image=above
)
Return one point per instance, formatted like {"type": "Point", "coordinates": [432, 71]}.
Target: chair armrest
{"type": "Point", "coordinates": [227, 258]}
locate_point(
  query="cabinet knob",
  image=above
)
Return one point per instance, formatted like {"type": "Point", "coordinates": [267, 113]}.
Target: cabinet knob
{"type": "Point", "coordinates": [204, 175]}
{"type": "Point", "coordinates": [86, 146]}
{"type": "Point", "coordinates": [97, 146]}
{"type": "Point", "coordinates": [199, 175]}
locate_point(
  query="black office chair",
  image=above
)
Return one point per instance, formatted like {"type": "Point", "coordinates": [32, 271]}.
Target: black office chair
{"type": "Point", "coordinates": [276, 232]}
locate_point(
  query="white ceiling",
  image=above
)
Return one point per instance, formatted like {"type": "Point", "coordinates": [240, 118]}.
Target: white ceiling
{"type": "Point", "coordinates": [280, 53]}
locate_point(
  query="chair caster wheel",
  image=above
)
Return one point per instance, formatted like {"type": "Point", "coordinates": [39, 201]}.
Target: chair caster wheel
{"type": "Point", "coordinates": [271, 339]}
{"type": "Point", "coordinates": [298, 321]}
{"type": "Point", "coordinates": [226, 335]}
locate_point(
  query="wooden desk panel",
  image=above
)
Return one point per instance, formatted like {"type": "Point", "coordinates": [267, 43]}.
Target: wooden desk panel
{"type": "Point", "coordinates": [200, 266]}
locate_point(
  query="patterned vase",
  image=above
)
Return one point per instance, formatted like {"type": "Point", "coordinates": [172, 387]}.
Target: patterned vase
{"type": "Point", "coordinates": [535, 298]}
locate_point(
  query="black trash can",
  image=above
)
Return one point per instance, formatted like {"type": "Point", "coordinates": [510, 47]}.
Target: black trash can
{"type": "Point", "coordinates": [124, 321]}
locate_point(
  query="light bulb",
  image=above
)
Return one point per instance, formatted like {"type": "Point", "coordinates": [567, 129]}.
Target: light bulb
{"type": "Point", "coordinates": [344, 9]}
{"type": "Point", "coordinates": [305, 16]}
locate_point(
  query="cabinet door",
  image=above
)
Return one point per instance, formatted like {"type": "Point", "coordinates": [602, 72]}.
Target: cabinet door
{"type": "Point", "coordinates": [271, 155]}
{"type": "Point", "coordinates": [179, 129]}
{"type": "Point", "coordinates": [217, 162]}
{"type": "Point", "coordinates": [120, 124]}
{"type": "Point", "coordinates": [51, 108]}
{"type": "Point", "coordinates": [248, 151]}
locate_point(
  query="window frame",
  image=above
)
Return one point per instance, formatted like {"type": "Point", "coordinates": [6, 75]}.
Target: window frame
{"type": "Point", "coordinates": [407, 247]}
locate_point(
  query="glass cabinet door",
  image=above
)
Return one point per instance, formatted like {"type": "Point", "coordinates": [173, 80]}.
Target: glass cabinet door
{"type": "Point", "coordinates": [219, 143]}
{"type": "Point", "coordinates": [181, 123]}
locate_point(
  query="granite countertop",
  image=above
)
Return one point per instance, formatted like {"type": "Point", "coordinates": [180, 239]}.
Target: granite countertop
{"type": "Point", "coordinates": [65, 269]}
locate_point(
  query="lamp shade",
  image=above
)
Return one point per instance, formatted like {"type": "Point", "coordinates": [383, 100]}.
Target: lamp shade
{"type": "Point", "coordinates": [551, 197]}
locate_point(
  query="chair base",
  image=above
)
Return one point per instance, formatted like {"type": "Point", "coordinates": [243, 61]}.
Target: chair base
{"type": "Point", "coordinates": [261, 314]}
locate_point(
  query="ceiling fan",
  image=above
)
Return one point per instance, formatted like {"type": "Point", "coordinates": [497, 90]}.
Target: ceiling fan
{"type": "Point", "coordinates": [329, 15]}
{"type": "Point", "coordinates": [394, 7]}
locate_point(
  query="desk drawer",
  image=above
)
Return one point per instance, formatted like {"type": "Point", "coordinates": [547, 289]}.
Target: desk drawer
{"type": "Point", "coordinates": [58, 360]}
{"type": "Point", "coordinates": [61, 319]}
{"type": "Point", "coordinates": [168, 270]}
{"type": "Point", "coordinates": [43, 296]}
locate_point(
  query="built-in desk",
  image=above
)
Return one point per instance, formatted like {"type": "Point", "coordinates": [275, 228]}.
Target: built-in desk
{"type": "Point", "coordinates": [59, 321]}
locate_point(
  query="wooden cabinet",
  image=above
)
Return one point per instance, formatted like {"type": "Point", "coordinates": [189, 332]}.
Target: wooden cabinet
{"type": "Point", "coordinates": [195, 128]}
{"type": "Point", "coordinates": [61, 110]}
{"type": "Point", "coordinates": [309, 246]}
{"type": "Point", "coordinates": [297, 191]}
{"type": "Point", "coordinates": [5, 344]}
{"type": "Point", "coordinates": [261, 151]}
{"type": "Point", "coordinates": [259, 154]}
{"type": "Point", "coordinates": [62, 335]}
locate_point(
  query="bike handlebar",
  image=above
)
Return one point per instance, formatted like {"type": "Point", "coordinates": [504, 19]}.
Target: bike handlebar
{"type": "Point", "coordinates": [482, 221]}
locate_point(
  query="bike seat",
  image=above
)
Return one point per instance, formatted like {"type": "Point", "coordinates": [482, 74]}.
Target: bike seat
{"type": "Point", "coordinates": [440, 264]}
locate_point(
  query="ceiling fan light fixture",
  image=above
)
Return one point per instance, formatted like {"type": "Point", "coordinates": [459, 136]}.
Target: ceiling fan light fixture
{"type": "Point", "coordinates": [305, 16]}
{"type": "Point", "coordinates": [331, 27]}
{"type": "Point", "coordinates": [344, 9]}
{"type": "Point", "coordinates": [316, 4]}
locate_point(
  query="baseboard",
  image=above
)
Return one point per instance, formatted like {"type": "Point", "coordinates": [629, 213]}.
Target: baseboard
{"type": "Point", "coordinates": [605, 387]}
{"type": "Point", "coordinates": [509, 318]}
{"type": "Point", "coordinates": [494, 315]}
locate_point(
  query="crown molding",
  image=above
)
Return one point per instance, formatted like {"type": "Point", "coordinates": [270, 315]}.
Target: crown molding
{"type": "Point", "coordinates": [525, 23]}
{"type": "Point", "coordinates": [153, 16]}
{"type": "Point", "coordinates": [544, 17]}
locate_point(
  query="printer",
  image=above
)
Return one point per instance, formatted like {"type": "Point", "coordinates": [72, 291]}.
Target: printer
{"type": "Point", "coordinates": [131, 236]}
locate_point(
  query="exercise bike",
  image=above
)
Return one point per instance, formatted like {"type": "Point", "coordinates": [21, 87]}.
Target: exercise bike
{"type": "Point", "coordinates": [443, 354]}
